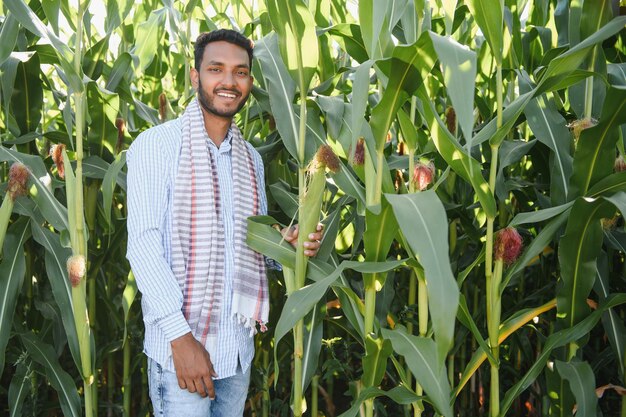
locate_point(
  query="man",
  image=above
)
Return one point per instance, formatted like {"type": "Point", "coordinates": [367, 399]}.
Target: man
{"type": "Point", "coordinates": [192, 182]}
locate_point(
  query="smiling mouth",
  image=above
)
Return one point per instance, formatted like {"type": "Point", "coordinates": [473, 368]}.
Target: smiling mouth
{"type": "Point", "coordinates": [228, 95]}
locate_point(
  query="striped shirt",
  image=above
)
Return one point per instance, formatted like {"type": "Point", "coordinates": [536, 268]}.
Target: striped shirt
{"type": "Point", "coordinates": [152, 166]}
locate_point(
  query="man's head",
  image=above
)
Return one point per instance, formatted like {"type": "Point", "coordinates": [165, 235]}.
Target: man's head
{"type": "Point", "coordinates": [226, 35]}
{"type": "Point", "coordinates": [221, 74]}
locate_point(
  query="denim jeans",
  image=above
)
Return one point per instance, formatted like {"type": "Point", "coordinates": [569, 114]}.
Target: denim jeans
{"type": "Point", "coordinates": [169, 400]}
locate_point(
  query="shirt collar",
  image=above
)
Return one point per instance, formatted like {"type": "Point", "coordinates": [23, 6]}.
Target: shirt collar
{"type": "Point", "coordinates": [226, 144]}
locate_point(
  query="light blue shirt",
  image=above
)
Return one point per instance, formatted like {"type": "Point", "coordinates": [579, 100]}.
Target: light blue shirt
{"type": "Point", "coordinates": [152, 166]}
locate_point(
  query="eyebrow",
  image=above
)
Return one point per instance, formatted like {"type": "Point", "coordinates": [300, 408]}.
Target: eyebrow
{"type": "Point", "coordinates": [218, 63]}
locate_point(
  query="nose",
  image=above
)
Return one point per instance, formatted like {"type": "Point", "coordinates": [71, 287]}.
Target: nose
{"type": "Point", "coordinates": [228, 79]}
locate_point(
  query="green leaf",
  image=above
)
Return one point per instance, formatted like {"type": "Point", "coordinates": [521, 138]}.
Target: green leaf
{"type": "Point", "coordinates": [348, 35]}
{"type": "Point", "coordinates": [93, 61]}
{"type": "Point", "coordinates": [53, 211]}
{"type": "Point", "coordinates": [459, 74]}
{"type": "Point", "coordinates": [578, 250]}
{"type": "Point", "coordinates": [121, 67]}
{"type": "Point", "coordinates": [31, 22]}
{"type": "Point", "coordinates": [510, 114]}
{"type": "Point", "coordinates": [377, 351]}
{"type": "Point", "coordinates": [353, 308]}
{"type": "Point", "coordinates": [595, 153]}
{"type": "Point", "coordinates": [536, 247]}
{"type": "Point", "coordinates": [27, 97]}
{"type": "Point", "coordinates": [612, 322]}
{"type": "Point", "coordinates": [422, 219]}
{"type": "Point", "coordinates": [8, 36]}
{"type": "Point", "coordinates": [400, 394]}
{"type": "Point", "coordinates": [60, 380]}
{"type": "Point", "coordinates": [409, 132]}
{"type": "Point", "coordinates": [582, 382]}
{"type": "Point", "coordinates": [511, 152]}
{"type": "Point", "coordinates": [616, 74]}
{"type": "Point", "coordinates": [149, 34]}
{"type": "Point", "coordinates": [301, 301]}
{"type": "Point", "coordinates": [96, 167]}
{"type": "Point", "coordinates": [268, 241]}
{"type": "Point", "coordinates": [347, 180]}
{"type": "Point", "coordinates": [313, 332]}
{"type": "Point", "coordinates": [549, 127]}
{"type": "Point", "coordinates": [103, 110]}
{"type": "Point", "coordinates": [449, 7]}
{"type": "Point", "coordinates": [109, 182]}
{"type": "Point", "coordinates": [539, 215]}
{"type": "Point", "coordinates": [52, 9]}
{"type": "Point", "coordinates": [571, 60]}
{"type": "Point", "coordinates": [595, 14]}
{"type": "Point", "coordinates": [333, 108]}
{"type": "Point", "coordinates": [489, 16]}
{"type": "Point", "coordinates": [380, 230]}
{"type": "Point", "coordinates": [281, 89]}
{"type": "Point", "coordinates": [360, 94]}
{"type": "Point", "coordinates": [117, 10]}
{"type": "Point", "coordinates": [407, 68]}
{"type": "Point", "coordinates": [12, 270]}
{"type": "Point", "coordinates": [456, 156]}
{"type": "Point", "coordinates": [608, 185]}
{"type": "Point", "coordinates": [508, 327]}
{"type": "Point", "coordinates": [423, 360]}
{"type": "Point", "coordinates": [466, 319]}
{"type": "Point", "coordinates": [56, 259]}
{"type": "Point", "coordinates": [287, 201]}
{"type": "Point", "coordinates": [556, 340]}
{"type": "Point", "coordinates": [295, 26]}
{"type": "Point", "coordinates": [374, 23]}
{"type": "Point", "coordinates": [19, 389]}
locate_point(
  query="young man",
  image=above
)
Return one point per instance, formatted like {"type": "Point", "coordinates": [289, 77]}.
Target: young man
{"type": "Point", "coordinates": [192, 182]}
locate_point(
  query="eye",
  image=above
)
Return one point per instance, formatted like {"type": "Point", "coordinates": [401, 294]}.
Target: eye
{"type": "Point", "coordinates": [214, 69]}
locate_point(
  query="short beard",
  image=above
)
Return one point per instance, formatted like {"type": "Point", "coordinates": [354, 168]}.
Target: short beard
{"type": "Point", "coordinates": [207, 104]}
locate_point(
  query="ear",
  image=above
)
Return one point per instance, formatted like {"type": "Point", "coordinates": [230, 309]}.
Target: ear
{"type": "Point", "coordinates": [193, 75]}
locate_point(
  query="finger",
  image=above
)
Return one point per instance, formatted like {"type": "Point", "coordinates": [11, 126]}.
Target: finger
{"type": "Point", "coordinates": [320, 227]}
{"type": "Point", "coordinates": [200, 387]}
{"type": "Point", "coordinates": [191, 386]}
{"type": "Point", "coordinates": [316, 236]}
{"type": "Point", "coordinates": [181, 383]}
{"type": "Point", "coordinates": [312, 245]}
{"type": "Point", "coordinates": [210, 389]}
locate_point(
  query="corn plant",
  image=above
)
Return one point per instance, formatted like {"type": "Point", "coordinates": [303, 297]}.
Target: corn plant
{"type": "Point", "coordinates": [473, 254]}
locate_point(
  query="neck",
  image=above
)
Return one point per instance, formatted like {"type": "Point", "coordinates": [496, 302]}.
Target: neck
{"type": "Point", "coordinates": [216, 127]}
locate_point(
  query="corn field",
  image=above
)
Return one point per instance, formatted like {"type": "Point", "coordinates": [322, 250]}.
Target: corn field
{"type": "Point", "coordinates": [473, 259]}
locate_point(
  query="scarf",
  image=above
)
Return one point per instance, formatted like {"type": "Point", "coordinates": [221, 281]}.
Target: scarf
{"type": "Point", "coordinates": [198, 234]}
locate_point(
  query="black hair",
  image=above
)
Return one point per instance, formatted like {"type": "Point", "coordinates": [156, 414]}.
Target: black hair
{"type": "Point", "coordinates": [227, 35]}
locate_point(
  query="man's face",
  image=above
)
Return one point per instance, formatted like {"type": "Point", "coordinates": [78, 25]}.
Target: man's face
{"type": "Point", "coordinates": [223, 81]}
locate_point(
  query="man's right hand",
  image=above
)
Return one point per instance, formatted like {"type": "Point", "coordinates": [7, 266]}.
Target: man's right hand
{"type": "Point", "coordinates": [193, 366]}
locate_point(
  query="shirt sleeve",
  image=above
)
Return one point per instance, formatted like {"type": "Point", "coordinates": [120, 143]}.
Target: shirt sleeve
{"type": "Point", "coordinates": [148, 169]}
{"type": "Point", "coordinates": [260, 178]}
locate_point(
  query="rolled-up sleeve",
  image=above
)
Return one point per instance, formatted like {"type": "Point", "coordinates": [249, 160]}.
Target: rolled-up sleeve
{"type": "Point", "coordinates": [148, 197]}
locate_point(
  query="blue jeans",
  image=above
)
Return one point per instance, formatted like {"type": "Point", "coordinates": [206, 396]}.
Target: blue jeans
{"type": "Point", "coordinates": [169, 400]}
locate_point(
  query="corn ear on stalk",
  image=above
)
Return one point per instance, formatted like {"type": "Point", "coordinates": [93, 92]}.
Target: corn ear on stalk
{"type": "Point", "coordinates": [311, 203]}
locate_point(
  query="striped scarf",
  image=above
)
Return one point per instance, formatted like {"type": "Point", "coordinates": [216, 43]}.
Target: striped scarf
{"type": "Point", "coordinates": [198, 234]}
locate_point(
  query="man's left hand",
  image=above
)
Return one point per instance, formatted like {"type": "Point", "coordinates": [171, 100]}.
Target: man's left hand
{"type": "Point", "coordinates": [312, 246]}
